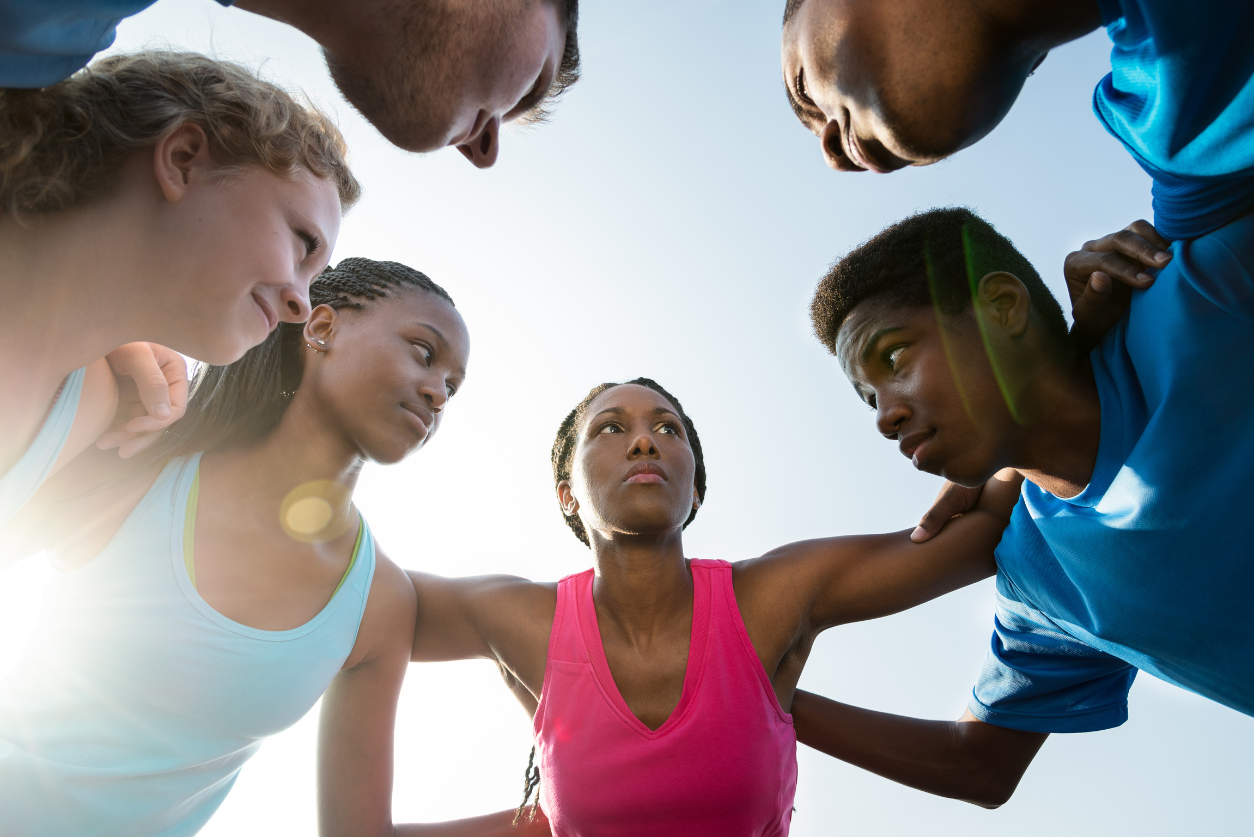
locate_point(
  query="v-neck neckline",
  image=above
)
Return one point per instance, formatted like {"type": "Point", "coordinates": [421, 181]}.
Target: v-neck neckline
{"type": "Point", "coordinates": [590, 631]}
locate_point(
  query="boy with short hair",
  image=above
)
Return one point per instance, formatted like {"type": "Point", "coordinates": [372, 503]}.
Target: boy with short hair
{"type": "Point", "coordinates": [1125, 551]}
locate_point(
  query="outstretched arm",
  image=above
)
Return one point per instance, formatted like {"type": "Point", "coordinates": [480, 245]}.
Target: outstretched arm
{"type": "Point", "coordinates": [965, 759]}
{"type": "Point", "coordinates": [357, 728]}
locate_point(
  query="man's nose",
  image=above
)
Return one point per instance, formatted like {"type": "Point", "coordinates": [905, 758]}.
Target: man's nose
{"type": "Point", "coordinates": [834, 148]}
{"type": "Point", "coordinates": [293, 304]}
{"type": "Point", "coordinates": [481, 149]}
{"type": "Point", "coordinates": [890, 416]}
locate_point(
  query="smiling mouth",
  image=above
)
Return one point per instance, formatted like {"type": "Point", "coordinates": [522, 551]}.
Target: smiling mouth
{"type": "Point", "coordinates": [267, 313]}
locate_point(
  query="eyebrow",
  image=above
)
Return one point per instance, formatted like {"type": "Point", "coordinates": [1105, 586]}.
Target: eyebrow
{"type": "Point", "coordinates": [433, 330]}
{"type": "Point", "coordinates": [868, 348]}
{"type": "Point", "coordinates": [619, 411]}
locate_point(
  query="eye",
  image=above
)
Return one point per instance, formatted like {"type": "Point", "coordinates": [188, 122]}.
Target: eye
{"type": "Point", "coordinates": [424, 353]}
{"type": "Point", "coordinates": [610, 428]}
{"type": "Point", "coordinates": [452, 390]}
{"type": "Point", "coordinates": [890, 357]}
{"type": "Point", "coordinates": [312, 242]}
{"type": "Point", "coordinates": [800, 83]}
{"type": "Point", "coordinates": [669, 428]}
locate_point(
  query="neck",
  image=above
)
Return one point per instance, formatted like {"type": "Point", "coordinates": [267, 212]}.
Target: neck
{"type": "Point", "coordinates": [1042, 25]}
{"type": "Point", "coordinates": [86, 274]}
{"type": "Point", "coordinates": [302, 449]}
{"type": "Point", "coordinates": [335, 25]}
{"type": "Point", "coordinates": [1062, 425]}
{"type": "Point", "coordinates": [642, 581]}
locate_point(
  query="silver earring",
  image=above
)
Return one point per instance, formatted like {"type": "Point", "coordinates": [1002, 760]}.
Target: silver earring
{"type": "Point", "coordinates": [322, 342]}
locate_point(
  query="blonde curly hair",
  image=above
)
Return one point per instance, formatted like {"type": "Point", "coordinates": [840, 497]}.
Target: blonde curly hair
{"type": "Point", "coordinates": [63, 146]}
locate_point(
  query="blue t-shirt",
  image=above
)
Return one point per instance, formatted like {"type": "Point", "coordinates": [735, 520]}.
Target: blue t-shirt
{"type": "Point", "coordinates": [45, 41]}
{"type": "Point", "coordinates": [1180, 97]}
{"type": "Point", "coordinates": [1152, 565]}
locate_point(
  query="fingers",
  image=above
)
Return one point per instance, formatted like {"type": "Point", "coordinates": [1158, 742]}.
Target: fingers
{"type": "Point", "coordinates": [1125, 256]}
{"type": "Point", "coordinates": [951, 501]}
{"type": "Point", "coordinates": [152, 395]}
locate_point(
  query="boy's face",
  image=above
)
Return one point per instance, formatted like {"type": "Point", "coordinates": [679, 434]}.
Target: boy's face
{"type": "Point", "coordinates": [929, 380]}
{"type": "Point", "coordinates": [886, 84]}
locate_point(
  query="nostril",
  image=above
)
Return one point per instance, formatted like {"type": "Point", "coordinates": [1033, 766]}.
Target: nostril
{"type": "Point", "coordinates": [485, 143]}
{"type": "Point", "coordinates": [293, 307]}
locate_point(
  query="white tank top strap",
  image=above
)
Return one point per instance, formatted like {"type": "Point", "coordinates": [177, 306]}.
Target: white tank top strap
{"type": "Point", "coordinates": [24, 478]}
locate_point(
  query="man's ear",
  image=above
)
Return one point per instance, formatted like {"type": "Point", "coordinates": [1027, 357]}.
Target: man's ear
{"type": "Point", "coordinates": [1004, 301]}
{"type": "Point", "coordinates": [179, 158]}
{"type": "Point", "coordinates": [567, 499]}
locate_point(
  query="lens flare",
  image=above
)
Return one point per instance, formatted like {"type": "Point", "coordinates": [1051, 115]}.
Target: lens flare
{"type": "Point", "coordinates": [316, 511]}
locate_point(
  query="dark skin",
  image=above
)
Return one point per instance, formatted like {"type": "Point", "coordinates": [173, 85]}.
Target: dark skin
{"type": "Point", "coordinates": [886, 84]}
{"type": "Point", "coordinates": [927, 376]}
{"type": "Point", "coordinates": [632, 487]}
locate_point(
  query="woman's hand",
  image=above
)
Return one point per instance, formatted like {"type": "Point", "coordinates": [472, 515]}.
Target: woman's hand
{"type": "Point", "coordinates": [954, 499]}
{"type": "Point", "coordinates": [1098, 301]}
{"type": "Point", "coordinates": [152, 395]}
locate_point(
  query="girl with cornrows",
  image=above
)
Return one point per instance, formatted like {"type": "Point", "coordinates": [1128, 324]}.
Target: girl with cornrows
{"type": "Point", "coordinates": [162, 197]}
{"type": "Point", "coordinates": [217, 588]}
{"type": "Point", "coordinates": [660, 685]}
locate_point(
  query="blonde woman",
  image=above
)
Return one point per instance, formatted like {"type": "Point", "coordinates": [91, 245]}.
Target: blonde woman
{"type": "Point", "coordinates": [162, 197]}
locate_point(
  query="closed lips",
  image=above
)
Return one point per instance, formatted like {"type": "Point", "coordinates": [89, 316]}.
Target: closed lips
{"type": "Point", "coordinates": [645, 472]}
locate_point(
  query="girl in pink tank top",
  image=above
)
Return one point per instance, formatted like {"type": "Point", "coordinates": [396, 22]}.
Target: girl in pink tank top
{"type": "Point", "coordinates": [723, 763]}
{"type": "Point", "coordinates": [660, 685]}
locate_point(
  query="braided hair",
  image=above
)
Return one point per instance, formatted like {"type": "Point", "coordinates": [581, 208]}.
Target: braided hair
{"type": "Point", "coordinates": [244, 401]}
{"type": "Point", "coordinates": [568, 435]}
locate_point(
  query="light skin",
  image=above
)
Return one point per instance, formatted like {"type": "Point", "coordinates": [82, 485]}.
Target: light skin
{"type": "Point", "coordinates": [374, 389]}
{"type": "Point", "coordinates": [179, 255]}
{"type": "Point", "coordinates": [915, 368]}
{"type": "Point", "coordinates": [886, 84]}
{"type": "Point", "coordinates": [447, 72]}
{"type": "Point", "coordinates": [632, 486]}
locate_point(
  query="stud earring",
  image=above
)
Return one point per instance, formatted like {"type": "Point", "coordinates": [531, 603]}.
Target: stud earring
{"type": "Point", "coordinates": [322, 342]}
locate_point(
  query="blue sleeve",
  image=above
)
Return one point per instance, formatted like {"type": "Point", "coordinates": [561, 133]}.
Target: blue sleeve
{"type": "Point", "coordinates": [1040, 679]}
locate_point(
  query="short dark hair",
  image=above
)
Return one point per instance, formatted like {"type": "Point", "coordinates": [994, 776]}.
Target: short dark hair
{"type": "Point", "coordinates": [790, 9]}
{"type": "Point", "coordinates": [568, 437]}
{"type": "Point", "coordinates": [931, 259]}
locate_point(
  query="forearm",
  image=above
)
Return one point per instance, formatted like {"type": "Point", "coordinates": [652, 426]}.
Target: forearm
{"type": "Point", "coordinates": [499, 824]}
{"type": "Point", "coordinates": [966, 760]}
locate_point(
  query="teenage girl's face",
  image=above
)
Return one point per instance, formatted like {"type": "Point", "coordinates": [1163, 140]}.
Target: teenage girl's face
{"type": "Point", "coordinates": [634, 471]}
{"type": "Point", "coordinates": [386, 372]}
{"type": "Point", "coordinates": [245, 248]}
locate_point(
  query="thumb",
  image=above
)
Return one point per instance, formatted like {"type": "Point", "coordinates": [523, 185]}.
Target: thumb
{"type": "Point", "coordinates": [151, 384]}
{"type": "Point", "coordinates": [951, 501]}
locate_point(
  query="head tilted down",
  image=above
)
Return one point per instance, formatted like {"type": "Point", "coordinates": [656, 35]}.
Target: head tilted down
{"type": "Point", "coordinates": [891, 83]}
{"type": "Point", "coordinates": [942, 327]}
{"type": "Point", "coordinates": [372, 369]}
{"type": "Point", "coordinates": [627, 462]}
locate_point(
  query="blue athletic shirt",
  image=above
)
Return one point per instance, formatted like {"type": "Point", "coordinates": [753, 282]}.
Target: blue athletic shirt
{"type": "Point", "coordinates": [1152, 565]}
{"type": "Point", "coordinates": [45, 41]}
{"type": "Point", "coordinates": [1180, 97]}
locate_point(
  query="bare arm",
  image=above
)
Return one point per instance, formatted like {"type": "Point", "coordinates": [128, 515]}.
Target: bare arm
{"type": "Point", "coordinates": [357, 729]}
{"type": "Point", "coordinates": [965, 759]}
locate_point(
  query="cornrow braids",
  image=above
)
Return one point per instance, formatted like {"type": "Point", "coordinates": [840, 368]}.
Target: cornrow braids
{"type": "Point", "coordinates": [531, 784]}
{"type": "Point", "coordinates": [563, 453]}
{"type": "Point", "coordinates": [245, 400]}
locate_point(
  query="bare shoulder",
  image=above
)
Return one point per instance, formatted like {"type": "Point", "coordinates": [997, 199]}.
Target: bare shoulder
{"type": "Point", "coordinates": [387, 626]}
{"type": "Point", "coordinates": [97, 405]}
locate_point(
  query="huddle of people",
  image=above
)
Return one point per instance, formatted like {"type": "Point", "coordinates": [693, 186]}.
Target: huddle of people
{"type": "Point", "coordinates": [216, 579]}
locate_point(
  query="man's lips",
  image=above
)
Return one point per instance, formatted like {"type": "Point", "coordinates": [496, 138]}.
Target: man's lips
{"type": "Point", "coordinates": [267, 313]}
{"type": "Point", "coordinates": [645, 473]}
{"type": "Point", "coordinates": [914, 446]}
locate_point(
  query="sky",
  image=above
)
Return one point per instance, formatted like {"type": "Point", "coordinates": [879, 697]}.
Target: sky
{"type": "Point", "coordinates": [672, 221]}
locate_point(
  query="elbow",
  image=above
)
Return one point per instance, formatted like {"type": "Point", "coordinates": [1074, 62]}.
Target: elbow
{"type": "Point", "coordinates": [991, 788]}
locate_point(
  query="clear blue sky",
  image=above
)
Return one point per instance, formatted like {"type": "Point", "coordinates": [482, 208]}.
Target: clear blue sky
{"type": "Point", "coordinates": [672, 221]}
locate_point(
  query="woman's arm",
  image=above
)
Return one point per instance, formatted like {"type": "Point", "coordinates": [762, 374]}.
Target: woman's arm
{"type": "Point", "coordinates": [966, 759]}
{"type": "Point", "coordinates": [357, 727]}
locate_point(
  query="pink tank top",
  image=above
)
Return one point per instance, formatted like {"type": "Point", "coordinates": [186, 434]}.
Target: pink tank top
{"type": "Point", "coordinates": [725, 762]}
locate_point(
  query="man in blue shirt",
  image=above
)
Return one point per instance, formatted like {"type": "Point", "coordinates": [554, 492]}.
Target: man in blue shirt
{"type": "Point", "coordinates": [890, 83]}
{"type": "Point", "coordinates": [1126, 550]}
{"type": "Point", "coordinates": [426, 73]}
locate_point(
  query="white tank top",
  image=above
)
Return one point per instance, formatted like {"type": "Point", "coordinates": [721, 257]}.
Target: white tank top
{"type": "Point", "coordinates": [136, 703]}
{"type": "Point", "coordinates": [25, 477]}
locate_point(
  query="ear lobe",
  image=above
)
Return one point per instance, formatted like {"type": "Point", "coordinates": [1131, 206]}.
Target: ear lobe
{"type": "Point", "coordinates": [696, 500]}
{"type": "Point", "coordinates": [179, 158]}
{"type": "Point", "coordinates": [1005, 301]}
